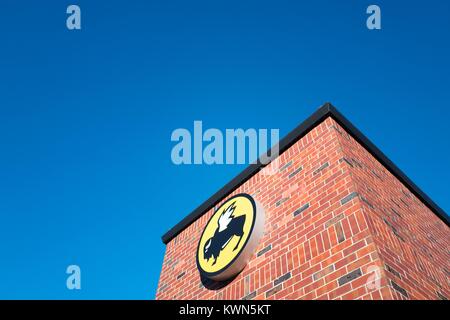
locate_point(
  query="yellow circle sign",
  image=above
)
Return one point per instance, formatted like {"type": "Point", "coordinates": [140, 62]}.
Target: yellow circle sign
{"type": "Point", "coordinates": [230, 237]}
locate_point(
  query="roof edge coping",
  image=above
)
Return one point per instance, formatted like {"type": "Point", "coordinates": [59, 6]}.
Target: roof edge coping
{"type": "Point", "coordinates": [325, 111]}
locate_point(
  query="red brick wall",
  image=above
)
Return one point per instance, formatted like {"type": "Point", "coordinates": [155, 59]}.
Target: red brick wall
{"type": "Point", "coordinates": [412, 241]}
{"type": "Point", "coordinates": [325, 233]}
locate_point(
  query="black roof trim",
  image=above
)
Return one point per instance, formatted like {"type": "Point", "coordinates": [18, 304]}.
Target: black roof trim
{"type": "Point", "coordinates": [327, 110]}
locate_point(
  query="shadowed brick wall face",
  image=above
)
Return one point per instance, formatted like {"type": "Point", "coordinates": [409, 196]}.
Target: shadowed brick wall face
{"type": "Point", "coordinates": [334, 214]}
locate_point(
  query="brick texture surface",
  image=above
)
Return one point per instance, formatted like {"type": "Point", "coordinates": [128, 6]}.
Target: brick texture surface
{"type": "Point", "coordinates": [338, 225]}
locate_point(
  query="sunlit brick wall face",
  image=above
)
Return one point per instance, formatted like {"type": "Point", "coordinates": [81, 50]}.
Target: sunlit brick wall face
{"type": "Point", "coordinates": [412, 241]}
{"type": "Point", "coordinates": [318, 241]}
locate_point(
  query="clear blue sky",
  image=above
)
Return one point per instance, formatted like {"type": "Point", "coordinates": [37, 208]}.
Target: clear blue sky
{"type": "Point", "coordinates": [86, 116]}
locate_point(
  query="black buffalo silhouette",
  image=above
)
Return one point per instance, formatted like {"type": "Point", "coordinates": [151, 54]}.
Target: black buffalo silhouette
{"type": "Point", "coordinates": [221, 238]}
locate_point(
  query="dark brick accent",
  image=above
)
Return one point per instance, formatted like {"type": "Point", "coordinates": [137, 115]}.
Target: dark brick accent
{"type": "Point", "coordinates": [274, 290]}
{"type": "Point", "coordinates": [399, 289]}
{"type": "Point", "coordinates": [260, 253]}
{"type": "Point", "coordinates": [388, 223]}
{"type": "Point", "coordinates": [350, 276]}
{"type": "Point", "coordinates": [429, 236]}
{"type": "Point", "coordinates": [395, 212]}
{"type": "Point", "coordinates": [395, 202]}
{"type": "Point", "coordinates": [398, 234]}
{"type": "Point", "coordinates": [337, 129]}
{"type": "Point", "coordinates": [405, 203]}
{"type": "Point", "coordinates": [441, 296]}
{"type": "Point", "coordinates": [287, 165]}
{"type": "Point", "coordinates": [281, 201]}
{"type": "Point", "coordinates": [394, 230]}
{"type": "Point", "coordinates": [349, 197]}
{"type": "Point", "coordinates": [447, 272]}
{"type": "Point", "coordinates": [250, 296]}
{"type": "Point", "coordinates": [301, 209]}
{"type": "Point", "coordinates": [293, 173]}
{"type": "Point", "coordinates": [181, 275]}
{"type": "Point", "coordinates": [391, 270]}
{"type": "Point", "coordinates": [367, 202]}
{"type": "Point", "coordinates": [246, 285]}
{"type": "Point", "coordinates": [339, 232]}
{"type": "Point", "coordinates": [168, 261]}
{"type": "Point", "coordinates": [323, 272]}
{"type": "Point", "coordinates": [325, 165]}
{"type": "Point", "coordinates": [347, 161]}
{"type": "Point", "coordinates": [281, 279]}
{"type": "Point", "coordinates": [357, 163]}
{"type": "Point", "coordinates": [376, 175]}
{"type": "Point", "coordinates": [334, 220]}
{"type": "Point", "coordinates": [163, 287]}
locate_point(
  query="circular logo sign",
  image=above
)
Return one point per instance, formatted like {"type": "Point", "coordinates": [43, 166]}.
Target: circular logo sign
{"type": "Point", "coordinates": [230, 237]}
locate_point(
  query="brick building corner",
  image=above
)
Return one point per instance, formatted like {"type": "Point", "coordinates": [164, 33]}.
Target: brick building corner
{"type": "Point", "coordinates": [342, 222]}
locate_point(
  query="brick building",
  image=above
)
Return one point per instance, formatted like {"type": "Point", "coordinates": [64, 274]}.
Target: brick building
{"type": "Point", "coordinates": [342, 222]}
